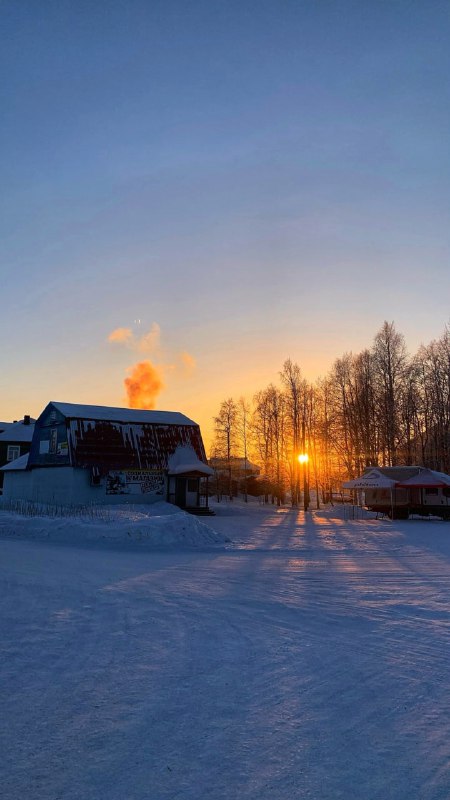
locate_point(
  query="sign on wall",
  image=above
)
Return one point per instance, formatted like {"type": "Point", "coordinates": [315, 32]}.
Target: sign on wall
{"type": "Point", "coordinates": [137, 481]}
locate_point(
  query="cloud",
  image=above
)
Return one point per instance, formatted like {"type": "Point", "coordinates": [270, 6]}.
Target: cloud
{"type": "Point", "coordinates": [143, 385]}
{"type": "Point", "coordinates": [188, 362]}
{"type": "Point", "coordinates": [144, 380]}
{"type": "Point", "coordinates": [147, 343]}
{"type": "Point", "coordinates": [121, 336]}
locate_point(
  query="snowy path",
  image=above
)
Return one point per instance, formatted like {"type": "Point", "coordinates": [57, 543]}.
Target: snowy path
{"type": "Point", "coordinates": [309, 660]}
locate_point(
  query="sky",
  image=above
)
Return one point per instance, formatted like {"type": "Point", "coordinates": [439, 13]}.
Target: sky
{"type": "Point", "coordinates": [229, 183]}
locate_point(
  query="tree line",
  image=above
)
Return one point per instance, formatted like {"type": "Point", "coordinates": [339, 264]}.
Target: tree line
{"type": "Point", "coordinates": [379, 407]}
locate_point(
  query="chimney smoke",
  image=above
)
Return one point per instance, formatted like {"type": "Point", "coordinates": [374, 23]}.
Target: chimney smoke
{"type": "Point", "coordinates": [143, 386]}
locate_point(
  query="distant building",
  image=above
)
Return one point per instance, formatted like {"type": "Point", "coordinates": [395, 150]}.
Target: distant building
{"type": "Point", "coordinates": [15, 440]}
{"type": "Point", "coordinates": [240, 467]}
{"type": "Point", "coordinates": [82, 455]}
{"type": "Point", "coordinates": [403, 491]}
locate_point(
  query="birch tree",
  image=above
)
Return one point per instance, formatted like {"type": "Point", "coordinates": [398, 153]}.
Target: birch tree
{"type": "Point", "coordinates": [226, 437]}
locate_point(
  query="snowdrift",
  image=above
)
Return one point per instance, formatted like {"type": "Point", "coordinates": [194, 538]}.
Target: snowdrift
{"type": "Point", "coordinates": [159, 526]}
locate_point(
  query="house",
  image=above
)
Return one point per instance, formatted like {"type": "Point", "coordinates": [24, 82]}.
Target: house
{"type": "Point", "coordinates": [15, 440]}
{"type": "Point", "coordinates": [240, 467]}
{"type": "Point", "coordinates": [83, 455]}
{"type": "Point", "coordinates": [234, 475]}
{"type": "Point", "coordinates": [403, 491]}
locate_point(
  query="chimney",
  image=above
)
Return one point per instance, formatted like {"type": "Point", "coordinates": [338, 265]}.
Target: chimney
{"type": "Point", "coordinates": [26, 419]}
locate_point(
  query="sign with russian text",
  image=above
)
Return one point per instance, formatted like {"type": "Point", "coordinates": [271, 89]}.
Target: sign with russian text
{"type": "Point", "coordinates": [136, 481]}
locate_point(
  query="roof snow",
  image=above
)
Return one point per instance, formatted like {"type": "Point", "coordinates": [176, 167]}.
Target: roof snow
{"type": "Point", "coordinates": [184, 460]}
{"type": "Point", "coordinates": [17, 432]}
{"type": "Point", "coordinates": [18, 463]}
{"type": "Point", "coordinates": [370, 480]}
{"type": "Point", "coordinates": [110, 414]}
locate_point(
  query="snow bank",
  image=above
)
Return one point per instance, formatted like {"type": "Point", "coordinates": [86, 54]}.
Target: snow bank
{"type": "Point", "coordinates": [160, 525]}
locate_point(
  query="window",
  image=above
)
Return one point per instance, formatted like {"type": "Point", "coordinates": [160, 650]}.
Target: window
{"type": "Point", "coordinates": [192, 484]}
{"type": "Point", "coordinates": [13, 452]}
{"type": "Point", "coordinates": [431, 491]}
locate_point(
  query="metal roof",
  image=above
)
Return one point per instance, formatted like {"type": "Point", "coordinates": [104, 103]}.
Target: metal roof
{"type": "Point", "coordinates": [126, 415]}
{"type": "Point", "coordinates": [18, 464]}
{"type": "Point", "coordinates": [372, 479]}
{"type": "Point", "coordinates": [17, 432]}
{"type": "Point", "coordinates": [426, 479]}
{"type": "Point", "coordinates": [401, 476]}
{"type": "Point", "coordinates": [399, 473]}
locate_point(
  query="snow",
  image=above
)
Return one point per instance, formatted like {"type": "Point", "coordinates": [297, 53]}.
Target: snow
{"type": "Point", "coordinates": [307, 658]}
{"type": "Point", "coordinates": [109, 414]}
{"type": "Point", "coordinates": [370, 480]}
{"type": "Point", "coordinates": [18, 464]}
{"type": "Point", "coordinates": [427, 478]}
{"type": "Point", "coordinates": [184, 460]}
{"type": "Point", "coordinates": [157, 525]}
{"type": "Point", "coordinates": [18, 432]}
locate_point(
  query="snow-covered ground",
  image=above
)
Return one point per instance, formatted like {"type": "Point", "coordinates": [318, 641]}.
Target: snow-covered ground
{"type": "Point", "coordinates": [158, 526]}
{"type": "Point", "coordinates": [307, 658]}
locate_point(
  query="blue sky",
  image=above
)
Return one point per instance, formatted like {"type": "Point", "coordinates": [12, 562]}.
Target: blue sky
{"type": "Point", "coordinates": [262, 179]}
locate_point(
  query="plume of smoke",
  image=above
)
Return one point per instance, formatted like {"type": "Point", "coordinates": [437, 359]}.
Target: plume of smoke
{"type": "Point", "coordinates": [147, 343]}
{"type": "Point", "coordinates": [188, 362]}
{"type": "Point", "coordinates": [121, 336]}
{"type": "Point", "coordinates": [144, 381]}
{"type": "Point", "coordinates": [143, 385]}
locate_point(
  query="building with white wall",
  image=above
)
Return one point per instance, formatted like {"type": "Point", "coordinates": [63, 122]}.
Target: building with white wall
{"type": "Point", "coordinates": [84, 455]}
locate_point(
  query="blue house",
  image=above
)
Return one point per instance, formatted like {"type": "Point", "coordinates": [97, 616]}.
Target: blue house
{"type": "Point", "coordinates": [83, 454]}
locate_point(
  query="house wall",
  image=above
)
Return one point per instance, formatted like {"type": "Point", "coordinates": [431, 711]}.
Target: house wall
{"type": "Point", "coordinates": [180, 489]}
{"type": "Point", "coordinates": [50, 441]}
{"type": "Point", "coordinates": [24, 447]}
{"type": "Point", "coordinates": [435, 497]}
{"type": "Point", "coordinates": [399, 497]}
{"type": "Point", "coordinates": [414, 497]}
{"type": "Point", "coordinates": [192, 496]}
{"type": "Point", "coordinates": [38, 486]}
{"type": "Point", "coordinates": [71, 486]}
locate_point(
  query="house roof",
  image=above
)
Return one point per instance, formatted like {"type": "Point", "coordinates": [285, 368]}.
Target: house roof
{"type": "Point", "coordinates": [17, 432]}
{"type": "Point", "coordinates": [402, 477]}
{"type": "Point", "coordinates": [373, 479]}
{"type": "Point", "coordinates": [17, 464]}
{"type": "Point", "coordinates": [112, 438]}
{"type": "Point", "coordinates": [399, 473]}
{"type": "Point", "coordinates": [427, 479]}
{"type": "Point", "coordinates": [184, 461]}
{"type": "Point", "coordinates": [112, 414]}
{"type": "Point", "coordinates": [237, 463]}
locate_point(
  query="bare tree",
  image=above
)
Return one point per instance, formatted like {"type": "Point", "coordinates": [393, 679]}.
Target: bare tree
{"type": "Point", "coordinates": [269, 435]}
{"type": "Point", "coordinates": [295, 390]}
{"type": "Point", "coordinates": [226, 436]}
{"type": "Point", "coordinates": [390, 361]}
{"type": "Point", "coordinates": [378, 407]}
{"type": "Point", "coordinates": [243, 425]}
{"type": "Point", "coordinates": [433, 364]}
